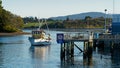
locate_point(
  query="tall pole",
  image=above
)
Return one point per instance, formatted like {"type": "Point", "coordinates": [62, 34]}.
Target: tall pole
{"type": "Point", "coordinates": [105, 19]}
{"type": "Point", "coordinates": [113, 10]}
{"type": "Point", "coordinates": [113, 6]}
{"type": "Point", "coordinates": [39, 22]}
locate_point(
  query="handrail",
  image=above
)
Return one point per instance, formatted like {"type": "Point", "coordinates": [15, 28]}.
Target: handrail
{"type": "Point", "coordinates": [76, 36]}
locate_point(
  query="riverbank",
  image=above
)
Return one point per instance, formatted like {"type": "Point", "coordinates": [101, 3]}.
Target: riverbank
{"type": "Point", "coordinates": [15, 33]}
{"type": "Point", "coordinates": [80, 30]}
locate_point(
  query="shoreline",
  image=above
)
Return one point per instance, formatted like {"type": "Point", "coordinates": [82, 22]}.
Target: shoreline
{"type": "Point", "coordinates": [74, 29]}
{"type": "Point", "coordinates": [12, 34]}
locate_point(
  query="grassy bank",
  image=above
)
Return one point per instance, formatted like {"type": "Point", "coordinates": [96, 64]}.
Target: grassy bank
{"type": "Point", "coordinates": [31, 25]}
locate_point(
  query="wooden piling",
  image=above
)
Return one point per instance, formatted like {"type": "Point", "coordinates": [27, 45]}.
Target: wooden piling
{"type": "Point", "coordinates": [85, 50]}
{"type": "Point", "coordinates": [72, 52]}
{"type": "Point", "coordinates": [90, 50]}
{"type": "Point", "coordinates": [87, 55]}
{"type": "Point", "coordinates": [67, 52]}
{"type": "Point", "coordinates": [62, 55]}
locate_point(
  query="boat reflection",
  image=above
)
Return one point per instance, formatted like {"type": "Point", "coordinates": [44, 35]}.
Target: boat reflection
{"type": "Point", "coordinates": [40, 53]}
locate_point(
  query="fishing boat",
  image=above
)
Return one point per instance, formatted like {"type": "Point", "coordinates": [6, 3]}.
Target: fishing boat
{"type": "Point", "coordinates": [40, 37]}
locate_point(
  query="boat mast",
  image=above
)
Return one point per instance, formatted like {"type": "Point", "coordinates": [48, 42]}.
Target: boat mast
{"type": "Point", "coordinates": [39, 23]}
{"type": "Point", "coordinates": [46, 25]}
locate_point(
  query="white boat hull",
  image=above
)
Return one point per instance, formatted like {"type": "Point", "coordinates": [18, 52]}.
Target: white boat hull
{"type": "Point", "coordinates": [39, 42]}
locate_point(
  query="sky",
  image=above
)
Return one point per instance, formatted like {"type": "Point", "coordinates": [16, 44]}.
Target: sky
{"type": "Point", "coordinates": [53, 8]}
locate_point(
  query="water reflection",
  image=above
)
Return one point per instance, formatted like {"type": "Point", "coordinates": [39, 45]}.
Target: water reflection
{"type": "Point", "coordinates": [88, 61]}
{"type": "Point", "coordinates": [85, 63]}
{"type": "Point", "coordinates": [99, 59]}
{"type": "Point", "coordinates": [40, 52]}
{"type": "Point", "coordinates": [13, 39]}
{"type": "Point", "coordinates": [1, 57]}
{"type": "Point", "coordinates": [16, 52]}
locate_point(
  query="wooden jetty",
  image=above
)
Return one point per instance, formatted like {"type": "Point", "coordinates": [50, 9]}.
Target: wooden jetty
{"type": "Point", "coordinates": [106, 42]}
{"type": "Point", "coordinates": [67, 41]}
{"type": "Point", "coordinates": [109, 44]}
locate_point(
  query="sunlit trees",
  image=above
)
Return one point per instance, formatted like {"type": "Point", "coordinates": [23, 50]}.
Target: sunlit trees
{"type": "Point", "coordinates": [9, 22]}
{"type": "Point", "coordinates": [1, 22]}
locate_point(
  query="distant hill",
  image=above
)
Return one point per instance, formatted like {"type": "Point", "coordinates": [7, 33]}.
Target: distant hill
{"type": "Point", "coordinates": [81, 16]}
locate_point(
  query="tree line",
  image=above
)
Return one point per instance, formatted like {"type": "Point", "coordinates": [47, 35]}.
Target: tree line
{"type": "Point", "coordinates": [9, 22]}
{"type": "Point", "coordinates": [30, 19]}
{"type": "Point", "coordinates": [87, 22]}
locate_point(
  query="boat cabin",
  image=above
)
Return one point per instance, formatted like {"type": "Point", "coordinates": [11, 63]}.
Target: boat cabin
{"type": "Point", "coordinates": [38, 34]}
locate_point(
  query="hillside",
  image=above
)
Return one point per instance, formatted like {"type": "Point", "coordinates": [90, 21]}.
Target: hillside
{"type": "Point", "coordinates": [81, 16]}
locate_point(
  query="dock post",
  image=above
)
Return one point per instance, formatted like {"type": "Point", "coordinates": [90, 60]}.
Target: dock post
{"type": "Point", "coordinates": [85, 53]}
{"type": "Point", "coordinates": [67, 51]}
{"type": "Point", "coordinates": [90, 50]}
{"type": "Point", "coordinates": [72, 52]}
{"type": "Point", "coordinates": [85, 50]}
{"type": "Point", "coordinates": [62, 52]}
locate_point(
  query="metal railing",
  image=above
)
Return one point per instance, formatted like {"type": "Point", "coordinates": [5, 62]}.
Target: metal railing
{"type": "Point", "coordinates": [109, 37]}
{"type": "Point", "coordinates": [76, 36]}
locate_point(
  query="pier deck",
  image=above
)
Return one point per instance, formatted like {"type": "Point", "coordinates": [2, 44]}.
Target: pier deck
{"type": "Point", "coordinates": [67, 41]}
{"type": "Point", "coordinates": [76, 36]}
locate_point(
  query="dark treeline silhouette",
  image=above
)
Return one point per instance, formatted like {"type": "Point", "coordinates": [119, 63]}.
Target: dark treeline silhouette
{"type": "Point", "coordinates": [35, 19]}
{"type": "Point", "coordinates": [30, 19]}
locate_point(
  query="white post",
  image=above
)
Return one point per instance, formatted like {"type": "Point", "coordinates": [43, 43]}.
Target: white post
{"type": "Point", "coordinates": [105, 20]}
{"type": "Point", "coordinates": [113, 6]}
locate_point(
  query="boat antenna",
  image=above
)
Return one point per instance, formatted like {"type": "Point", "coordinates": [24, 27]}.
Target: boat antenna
{"type": "Point", "coordinates": [46, 24]}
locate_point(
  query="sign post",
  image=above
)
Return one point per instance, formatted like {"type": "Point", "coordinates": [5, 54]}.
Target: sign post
{"type": "Point", "coordinates": [60, 38]}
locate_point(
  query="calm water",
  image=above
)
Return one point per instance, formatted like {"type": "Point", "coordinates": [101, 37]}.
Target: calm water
{"type": "Point", "coordinates": [17, 52]}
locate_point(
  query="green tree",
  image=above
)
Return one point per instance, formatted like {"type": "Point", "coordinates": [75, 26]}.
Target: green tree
{"type": "Point", "coordinates": [0, 6]}
{"type": "Point", "coordinates": [67, 19]}
{"type": "Point", "coordinates": [87, 20]}
{"type": "Point", "coordinates": [7, 25]}
{"type": "Point", "coordinates": [10, 22]}
{"type": "Point", "coordinates": [0, 14]}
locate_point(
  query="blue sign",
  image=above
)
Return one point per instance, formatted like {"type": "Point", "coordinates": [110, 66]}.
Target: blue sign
{"type": "Point", "coordinates": [60, 38]}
